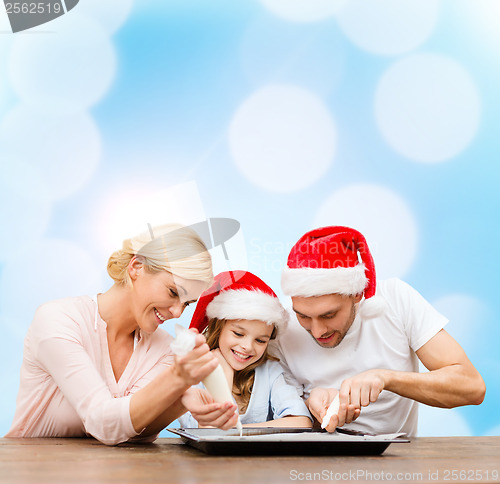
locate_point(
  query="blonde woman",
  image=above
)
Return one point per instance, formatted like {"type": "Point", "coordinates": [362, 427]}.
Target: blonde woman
{"type": "Point", "coordinates": [98, 366]}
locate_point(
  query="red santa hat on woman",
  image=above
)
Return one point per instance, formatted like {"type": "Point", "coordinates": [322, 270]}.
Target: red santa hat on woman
{"type": "Point", "coordinates": [238, 295]}
{"type": "Point", "coordinates": [333, 260]}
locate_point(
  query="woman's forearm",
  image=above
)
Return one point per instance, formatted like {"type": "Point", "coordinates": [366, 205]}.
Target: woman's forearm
{"type": "Point", "coordinates": [158, 401]}
{"type": "Point", "coordinates": [158, 396]}
{"type": "Point", "coordinates": [166, 418]}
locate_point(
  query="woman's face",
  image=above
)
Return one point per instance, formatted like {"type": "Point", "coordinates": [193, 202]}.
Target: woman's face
{"type": "Point", "coordinates": [243, 342]}
{"type": "Point", "coordinates": [159, 296]}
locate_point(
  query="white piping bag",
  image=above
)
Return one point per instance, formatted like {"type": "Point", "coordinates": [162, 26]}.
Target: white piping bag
{"type": "Point", "coordinates": [216, 382]}
{"type": "Point", "coordinates": [333, 409]}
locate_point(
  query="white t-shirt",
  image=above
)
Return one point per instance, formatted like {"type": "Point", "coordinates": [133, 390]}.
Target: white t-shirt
{"type": "Point", "coordinates": [388, 341]}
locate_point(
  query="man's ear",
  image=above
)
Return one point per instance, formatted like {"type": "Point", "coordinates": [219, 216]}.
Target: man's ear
{"type": "Point", "coordinates": [135, 266]}
{"type": "Point", "coordinates": [357, 298]}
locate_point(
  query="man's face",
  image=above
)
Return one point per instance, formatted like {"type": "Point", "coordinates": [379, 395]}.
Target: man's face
{"type": "Point", "coordinates": [326, 318]}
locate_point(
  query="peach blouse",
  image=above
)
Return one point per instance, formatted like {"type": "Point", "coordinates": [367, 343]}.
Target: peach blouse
{"type": "Point", "coordinates": [68, 388]}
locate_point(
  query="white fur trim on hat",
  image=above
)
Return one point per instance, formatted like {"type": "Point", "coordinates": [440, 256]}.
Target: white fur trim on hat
{"type": "Point", "coordinates": [309, 282]}
{"type": "Point", "coordinates": [251, 305]}
{"type": "Point", "coordinates": [372, 307]}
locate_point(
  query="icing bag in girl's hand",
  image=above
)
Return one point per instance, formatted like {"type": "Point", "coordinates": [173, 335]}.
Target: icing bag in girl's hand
{"type": "Point", "coordinates": [216, 382]}
{"type": "Point", "coordinates": [333, 409]}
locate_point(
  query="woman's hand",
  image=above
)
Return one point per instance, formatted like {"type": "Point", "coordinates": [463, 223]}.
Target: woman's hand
{"type": "Point", "coordinates": [207, 411]}
{"type": "Point", "coordinates": [197, 364]}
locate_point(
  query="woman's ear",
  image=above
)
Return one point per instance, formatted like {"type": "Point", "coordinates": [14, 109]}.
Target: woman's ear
{"type": "Point", "coordinates": [135, 266]}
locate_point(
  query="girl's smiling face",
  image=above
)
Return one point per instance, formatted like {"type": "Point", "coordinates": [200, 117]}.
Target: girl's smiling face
{"type": "Point", "coordinates": [243, 342]}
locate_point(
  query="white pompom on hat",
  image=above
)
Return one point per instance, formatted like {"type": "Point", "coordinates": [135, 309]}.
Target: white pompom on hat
{"type": "Point", "coordinates": [238, 295]}
{"type": "Point", "coordinates": [333, 260]}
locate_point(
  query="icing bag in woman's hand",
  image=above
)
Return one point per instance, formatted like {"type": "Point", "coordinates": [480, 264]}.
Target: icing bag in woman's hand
{"type": "Point", "coordinates": [216, 382]}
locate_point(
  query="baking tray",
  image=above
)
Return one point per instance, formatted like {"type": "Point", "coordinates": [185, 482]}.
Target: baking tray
{"type": "Point", "coordinates": [286, 441]}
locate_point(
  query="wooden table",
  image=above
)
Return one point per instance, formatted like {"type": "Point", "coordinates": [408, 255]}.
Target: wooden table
{"type": "Point", "coordinates": [425, 460]}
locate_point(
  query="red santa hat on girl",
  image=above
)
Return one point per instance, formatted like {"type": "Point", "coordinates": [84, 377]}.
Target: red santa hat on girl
{"type": "Point", "coordinates": [333, 260]}
{"type": "Point", "coordinates": [238, 295]}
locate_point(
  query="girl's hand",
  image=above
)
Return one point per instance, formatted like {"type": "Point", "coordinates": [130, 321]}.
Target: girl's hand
{"type": "Point", "coordinates": [197, 364]}
{"type": "Point", "coordinates": [228, 370]}
{"type": "Point", "coordinates": [207, 411]}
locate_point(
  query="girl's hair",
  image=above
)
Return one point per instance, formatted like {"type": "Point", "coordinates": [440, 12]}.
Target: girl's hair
{"type": "Point", "coordinates": [171, 247]}
{"type": "Point", "coordinates": [243, 379]}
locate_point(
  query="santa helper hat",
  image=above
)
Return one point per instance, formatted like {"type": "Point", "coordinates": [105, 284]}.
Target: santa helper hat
{"type": "Point", "coordinates": [333, 260]}
{"type": "Point", "coordinates": [238, 295]}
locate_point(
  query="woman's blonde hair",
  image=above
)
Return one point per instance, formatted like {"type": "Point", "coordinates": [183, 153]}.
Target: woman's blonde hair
{"type": "Point", "coordinates": [243, 380]}
{"type": "Point", "coordinates": [171, 247]}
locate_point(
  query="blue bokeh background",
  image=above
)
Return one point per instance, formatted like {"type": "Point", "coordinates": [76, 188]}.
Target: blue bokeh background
{"type": "Point", "coordinates": [282, 114]}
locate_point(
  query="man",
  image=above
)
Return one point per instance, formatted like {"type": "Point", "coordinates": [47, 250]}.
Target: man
{"type": "Point", "coordinates": [342, 338]}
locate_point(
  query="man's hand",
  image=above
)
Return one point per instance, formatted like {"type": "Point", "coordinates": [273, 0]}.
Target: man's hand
{"type": "Point", "coordinates": [318, 402]}
{"type": "Point", "coordinates": [207, 411]}
{"type": "Point", "coordinates": [361, 390]}
{"type": "Point", "coordinates": [355, 392]}
{"type": "Point", "coordinates": [197, 364]}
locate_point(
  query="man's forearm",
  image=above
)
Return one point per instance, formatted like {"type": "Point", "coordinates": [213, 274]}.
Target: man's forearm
{"type": "Point", "coordinates": [447, 387]}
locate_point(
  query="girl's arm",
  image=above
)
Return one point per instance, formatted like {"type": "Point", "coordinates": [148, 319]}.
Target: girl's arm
{"type": "Point", "coordinates": [287, 406]}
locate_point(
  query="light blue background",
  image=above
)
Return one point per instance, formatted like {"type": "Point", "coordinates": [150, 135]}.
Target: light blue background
{"type": "Point", "coordinates": [165, 99]}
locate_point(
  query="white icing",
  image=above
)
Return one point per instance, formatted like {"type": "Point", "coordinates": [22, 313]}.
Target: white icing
{"type": "Point", "coordinates": [333, 409]}
{"type": "Point", "coordinates": [184, 341]}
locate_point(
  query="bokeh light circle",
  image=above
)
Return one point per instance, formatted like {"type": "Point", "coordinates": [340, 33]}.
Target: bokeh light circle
{"type": "Point", "coordinates": [427, 107]}
{"type": "Point", "coordinates": [283, 138]}
{"type": "Point", "coordinates": [111, 14]}
{"type": "Point", "coordinates": [65, 72]}
{"type": "Point", "coordinates": [65, 149]}
{"type": "Point", "coordinates": [303, 11]}
{"type": "Point", "coordinates": [388, 27]}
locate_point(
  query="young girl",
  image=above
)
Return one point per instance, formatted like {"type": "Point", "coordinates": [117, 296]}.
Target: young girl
{"type": "Point", "coordinates": [239, 314]}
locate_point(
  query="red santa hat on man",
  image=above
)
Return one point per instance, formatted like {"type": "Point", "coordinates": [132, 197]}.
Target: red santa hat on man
{"type": "Point", "coordinates": [238, 295]}
{"type": "Point", "coordinates": [333, 260]}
